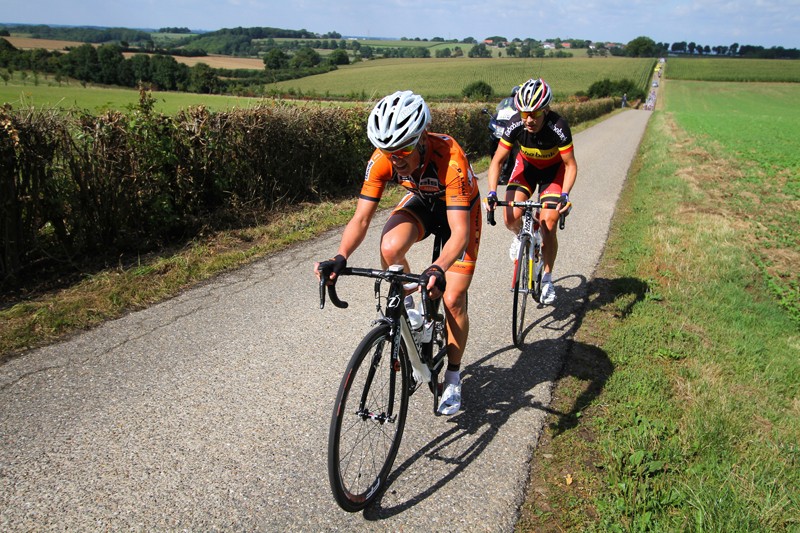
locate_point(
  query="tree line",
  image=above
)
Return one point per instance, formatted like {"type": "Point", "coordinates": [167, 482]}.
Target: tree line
{"type": "Point", "coordinates": [107, 65]}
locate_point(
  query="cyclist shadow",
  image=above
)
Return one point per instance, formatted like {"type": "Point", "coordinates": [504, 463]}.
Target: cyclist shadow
{"type": "Point", "coordinates": [494, 394]}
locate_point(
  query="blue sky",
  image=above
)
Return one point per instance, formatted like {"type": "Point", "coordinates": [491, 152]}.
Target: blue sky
{"type": "Point", "coordinates": [707, 22]}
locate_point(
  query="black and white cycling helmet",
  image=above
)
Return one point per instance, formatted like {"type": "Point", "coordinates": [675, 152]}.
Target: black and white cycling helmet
{"type": "Point", "coordinates": [398, 120]}
{"type": "Point", "coordinates": [534, 94]}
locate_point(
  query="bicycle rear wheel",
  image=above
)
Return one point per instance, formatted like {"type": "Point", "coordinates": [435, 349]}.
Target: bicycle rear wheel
{"type": "Point", "coordinates": [367, 421]}
{"type": "Point", "coordinates": [522, 275]}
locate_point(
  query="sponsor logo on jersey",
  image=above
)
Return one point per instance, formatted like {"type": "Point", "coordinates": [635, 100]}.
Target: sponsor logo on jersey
{"type": "Point", "coordinates": [369, 167]}
{"type": "Point", "coordinates": [429, 185]}
{"type": "Point", "coordinates": [559, 132]}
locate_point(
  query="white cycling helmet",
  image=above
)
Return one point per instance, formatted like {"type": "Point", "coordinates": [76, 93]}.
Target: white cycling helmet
{"type": "Point", "coordinates": [534, 94]}
{"type": "Point", "coordinates": [398, 120]}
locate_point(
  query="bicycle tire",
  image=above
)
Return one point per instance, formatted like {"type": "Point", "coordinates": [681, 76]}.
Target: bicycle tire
{"type": "Point", "coordinates": [521, 290]}
{"type": "Point", "coordinates": [362, 446]}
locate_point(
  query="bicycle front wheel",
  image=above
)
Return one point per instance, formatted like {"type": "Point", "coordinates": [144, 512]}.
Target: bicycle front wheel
{"type": "Point", "coordinates": [367, 421]}
{"type": "Point", "coordinates": [522, 285]}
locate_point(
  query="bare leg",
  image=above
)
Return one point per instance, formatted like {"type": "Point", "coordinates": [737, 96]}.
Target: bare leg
{"type": "Point", "coordinates": [399, 234]}
{"type": "Point", "coordinates": [455, 305]}
{"type": "Point", "coordinates": [548, 223]}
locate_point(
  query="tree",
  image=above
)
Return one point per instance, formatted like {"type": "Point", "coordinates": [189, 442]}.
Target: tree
{"type": "Point", "coordinates": [642, 47]}
{"type": "Point", "coordinates": [140, 64]}
{"type": "Point", "coordinates": [276, 59]}
{"type": "Point", "coordinates": [81, 62]}
{"type": "Point", "coordinates": [339, 57]}
{"type": "Point", "coordinates": [480, 50]}
{"type": "Point", "coordinates": [304, 58]}
{"type": "Point", "coordinates": [366, 51]}
{"type": "Point", "coordinates": [165, 72]}
{"type": "Point", "coordinates": [109, 59]}
{"type": "Point", "coordinates": [202, 79]}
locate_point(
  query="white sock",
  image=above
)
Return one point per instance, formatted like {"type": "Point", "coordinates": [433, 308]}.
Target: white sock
{"type": "Point", "coordinates": [547, 277]}
{"type": "Point", "coordinates": [452, 376]}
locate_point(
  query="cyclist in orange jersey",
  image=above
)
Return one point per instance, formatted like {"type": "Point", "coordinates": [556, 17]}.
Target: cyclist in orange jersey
{"type": "Point", "coordinates": [546, 159]}
{"type": "Point", "coordinates": [443, 199]}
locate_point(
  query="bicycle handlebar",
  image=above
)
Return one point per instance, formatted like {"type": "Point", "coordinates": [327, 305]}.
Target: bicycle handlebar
{"type": "Point", "coordinates": [527, 204]}
{"type": "Point", "coordinates": [325, 268]}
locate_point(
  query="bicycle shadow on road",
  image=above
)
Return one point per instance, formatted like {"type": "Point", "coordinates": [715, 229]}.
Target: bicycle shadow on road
{"type": "Point", "coordinates": [493, 394]}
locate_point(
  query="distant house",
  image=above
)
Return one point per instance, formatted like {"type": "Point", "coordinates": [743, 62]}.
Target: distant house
{"type": "Point", "coordinates": [566, 45]}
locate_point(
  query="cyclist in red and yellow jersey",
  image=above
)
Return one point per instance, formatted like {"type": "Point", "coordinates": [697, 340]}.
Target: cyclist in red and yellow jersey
{"type": "Point", "coordinates": [443, 199]}
{"type": "Point", "coordinates": [546, 159]}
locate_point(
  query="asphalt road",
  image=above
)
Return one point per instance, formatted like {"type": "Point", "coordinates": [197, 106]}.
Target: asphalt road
{"type": "Point", "coordinates": [210, 411]}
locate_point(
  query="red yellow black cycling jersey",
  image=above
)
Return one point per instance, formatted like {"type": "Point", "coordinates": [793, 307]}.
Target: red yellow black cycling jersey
{"type": "Point", "coordinates": [444, 176]}
{"type": "Point", "coordinates": [542, 149]}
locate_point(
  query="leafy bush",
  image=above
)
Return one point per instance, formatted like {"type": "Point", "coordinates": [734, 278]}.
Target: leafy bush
{"type": "Point", "coordinates": [478, 90]}
{"type": "Point", "coordinates": [79, 186]}
{"type": "Point", "coordinates": [607, 88]}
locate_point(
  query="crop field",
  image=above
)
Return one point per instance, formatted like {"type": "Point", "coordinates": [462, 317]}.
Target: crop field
{"type": "Point", "coordinates": [733, 69]}
{"type": "Point", "coordinates": [27, 43]}
{"type": "Point", "coordinates": [217, 61]}
{"type": "Point", "coordinates": [447, 77]}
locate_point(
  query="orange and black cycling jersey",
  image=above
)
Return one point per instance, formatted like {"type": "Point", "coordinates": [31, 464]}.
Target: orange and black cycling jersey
{"type": "Point", "coordinates": [445, 175]}
{"type": "Point", "coordinates": [543, 149]}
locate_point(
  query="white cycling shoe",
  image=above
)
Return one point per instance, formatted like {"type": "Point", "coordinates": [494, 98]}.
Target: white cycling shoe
{"type": "Point", "coordinates": [451, 399]}
{"type": "Point", "coordinates": [548, 293]}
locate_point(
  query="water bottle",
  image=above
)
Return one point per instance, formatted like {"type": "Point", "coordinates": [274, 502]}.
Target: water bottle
{"type": "Point", "coordinates": [427, 331]}
{"type": "Point", "coordinates": [414, 316]}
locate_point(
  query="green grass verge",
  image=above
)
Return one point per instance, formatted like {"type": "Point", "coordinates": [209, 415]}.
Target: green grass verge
{"type": "Point", "coordinates": [678, 408]}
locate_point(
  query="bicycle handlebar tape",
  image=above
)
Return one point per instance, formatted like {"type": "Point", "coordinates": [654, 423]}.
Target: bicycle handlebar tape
{"type": "Point", "coordinates": [491, 198]}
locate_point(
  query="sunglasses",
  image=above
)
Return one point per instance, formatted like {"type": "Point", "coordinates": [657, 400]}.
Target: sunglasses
{"type": "Point", "coordinates": [400, 153]}
{"type": "Point", "coordinates": [534, 114]}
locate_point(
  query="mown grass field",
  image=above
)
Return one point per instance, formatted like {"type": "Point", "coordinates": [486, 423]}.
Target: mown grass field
{"type": "Point", "coordinates": [733, 69]}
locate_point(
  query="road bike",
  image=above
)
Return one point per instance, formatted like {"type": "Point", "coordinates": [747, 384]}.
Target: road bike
{"type": "Point", "coordinates": [392, 361]}
{"type": "Point", "coordinates": [529, 264]}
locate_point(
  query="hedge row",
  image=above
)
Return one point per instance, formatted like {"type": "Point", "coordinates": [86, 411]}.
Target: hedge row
{"type": "Point", "coordinates": [77, 186]}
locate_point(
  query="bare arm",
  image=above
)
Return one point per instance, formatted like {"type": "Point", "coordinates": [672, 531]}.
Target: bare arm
{"type": "Point", "coordinates": [499, 158]}
{"type": "Point", "coordinates": [570, 170]}
{"type": "Point", "coordinates": [570, 173]}
{"type": "Point", "coordinates": [355, 231]}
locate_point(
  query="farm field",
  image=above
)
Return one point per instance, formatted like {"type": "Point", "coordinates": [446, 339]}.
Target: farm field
{"type": "Point", "coordinates": [733, 69]}
{"type": "Point", "coordinates": [213, 61]}
{"type": "Point", "coordinates": [447, 77]}
{"type": "Point", "coordinates": [217, 61]}
{"type": "Point", "coordinates": [28, 43]}
{"type": "Point", "coordinates": [99, 99]}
